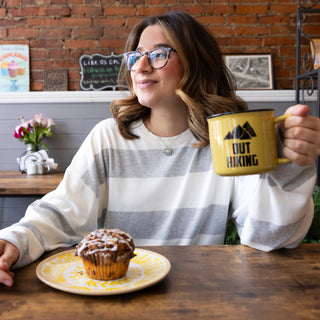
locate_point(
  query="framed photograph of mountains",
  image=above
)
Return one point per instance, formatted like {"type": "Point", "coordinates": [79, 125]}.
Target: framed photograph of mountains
{"type": "Point", "coordinates": [251, 71]}
{"type": "Point", "coordinates": [14, 68]}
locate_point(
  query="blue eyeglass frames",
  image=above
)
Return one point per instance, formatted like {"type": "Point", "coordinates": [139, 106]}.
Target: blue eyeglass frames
{"type": "Point", "coordinates": [157, 58]}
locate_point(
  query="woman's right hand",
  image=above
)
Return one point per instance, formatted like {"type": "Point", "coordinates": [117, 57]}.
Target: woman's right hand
{"type": "Point", "coordinates": [9, 254]}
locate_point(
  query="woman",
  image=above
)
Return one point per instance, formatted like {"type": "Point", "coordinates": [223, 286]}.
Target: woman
{"type": "Point", "coordinates": [149, 172]}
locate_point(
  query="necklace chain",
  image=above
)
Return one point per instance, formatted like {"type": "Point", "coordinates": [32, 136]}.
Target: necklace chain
{"type": "Point", "coordinates": [168, 151]}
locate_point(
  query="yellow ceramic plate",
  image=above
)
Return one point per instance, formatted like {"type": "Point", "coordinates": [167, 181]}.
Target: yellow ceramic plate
{"type": "Point", "coordinates": [64, 271]}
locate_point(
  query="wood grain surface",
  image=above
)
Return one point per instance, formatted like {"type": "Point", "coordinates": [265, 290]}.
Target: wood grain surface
{"type": "Point", "coordinates": [205, 282]}
{"type": "Point", "coordinates": [14, 183]}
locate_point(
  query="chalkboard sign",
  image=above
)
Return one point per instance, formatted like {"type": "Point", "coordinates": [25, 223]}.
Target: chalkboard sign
{"type": "Point", "coordinates": [99, 72]}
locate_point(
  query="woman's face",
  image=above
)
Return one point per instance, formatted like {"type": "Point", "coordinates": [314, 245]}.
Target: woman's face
{"type": "Point", "coordinates": [156, 87]}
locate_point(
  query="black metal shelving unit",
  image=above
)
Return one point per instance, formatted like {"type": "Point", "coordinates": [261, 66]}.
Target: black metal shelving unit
{"type": "Point", "coordinates": [307, 78]}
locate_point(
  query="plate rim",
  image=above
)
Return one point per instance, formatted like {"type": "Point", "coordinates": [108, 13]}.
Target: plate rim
{"type": "Point", "coordinates": [101, 292]}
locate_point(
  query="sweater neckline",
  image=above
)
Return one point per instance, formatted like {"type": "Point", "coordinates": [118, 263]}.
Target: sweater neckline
{"type": "Point", "coordinates": [182, 138]}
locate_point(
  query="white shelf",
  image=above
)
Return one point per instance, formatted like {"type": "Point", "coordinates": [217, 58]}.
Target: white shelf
{"type": "Point", "coordinates": [108, 96]}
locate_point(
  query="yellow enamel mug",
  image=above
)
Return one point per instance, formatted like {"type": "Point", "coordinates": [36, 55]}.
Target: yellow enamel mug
{"type": "Point", "coordinates": [244, 142]}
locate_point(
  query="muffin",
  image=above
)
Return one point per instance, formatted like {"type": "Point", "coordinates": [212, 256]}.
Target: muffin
{"type": "Point", "coordinates": [106, 253]}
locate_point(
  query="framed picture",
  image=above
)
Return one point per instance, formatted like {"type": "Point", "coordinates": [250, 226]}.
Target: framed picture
{"type": "Point", "coordinates": [315, 52]}
{"type": "Point", "coordinates": [251, 71]}
{"type": "Point", "coordinates": [14, 68]}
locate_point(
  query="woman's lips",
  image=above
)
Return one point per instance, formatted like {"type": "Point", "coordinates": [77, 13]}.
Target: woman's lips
{"type": "Point", "coordinates": [145, 83]}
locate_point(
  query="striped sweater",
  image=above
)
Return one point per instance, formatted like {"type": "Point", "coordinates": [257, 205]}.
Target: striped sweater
{"type": "Point", "coordinates": [163, 200]}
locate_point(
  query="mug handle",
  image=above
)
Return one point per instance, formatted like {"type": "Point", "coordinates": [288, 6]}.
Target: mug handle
{"type": "Point", "coordinates": [276, 120]}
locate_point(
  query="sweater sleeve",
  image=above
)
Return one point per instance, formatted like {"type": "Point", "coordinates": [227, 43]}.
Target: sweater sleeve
{"type": "Point", "coordinates": [274, 210]}
{"type": "Point", "coordinates": [62, 217]}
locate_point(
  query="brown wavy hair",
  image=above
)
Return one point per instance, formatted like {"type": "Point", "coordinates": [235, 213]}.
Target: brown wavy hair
{"type": "Point", "coordinates": [206, 86]}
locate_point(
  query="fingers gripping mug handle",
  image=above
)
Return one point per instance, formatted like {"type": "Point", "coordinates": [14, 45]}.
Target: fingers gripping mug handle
{"type": "Point", "coordinates": [277, 120]}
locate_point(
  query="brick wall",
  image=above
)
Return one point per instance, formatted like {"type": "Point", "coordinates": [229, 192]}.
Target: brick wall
{"type": "Point", "coordinates": [60, 31]}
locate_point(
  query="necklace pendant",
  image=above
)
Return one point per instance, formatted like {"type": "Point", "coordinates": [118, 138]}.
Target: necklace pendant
{"type": "Point", "coordinates": [168, 151]}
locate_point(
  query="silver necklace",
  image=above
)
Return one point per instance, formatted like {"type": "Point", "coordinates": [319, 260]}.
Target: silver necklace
{"type": "Point", "coordinates": [168, 151]}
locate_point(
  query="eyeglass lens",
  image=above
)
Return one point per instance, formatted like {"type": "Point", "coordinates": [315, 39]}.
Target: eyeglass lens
{"type": "Point", "coordinates": [157, 58]}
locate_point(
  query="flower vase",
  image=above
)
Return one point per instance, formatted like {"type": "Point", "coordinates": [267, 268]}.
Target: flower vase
{"type": "Point", "coordinates": [32, 148]}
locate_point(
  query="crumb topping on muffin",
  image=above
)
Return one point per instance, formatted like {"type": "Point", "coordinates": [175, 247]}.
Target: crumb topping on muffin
{"type": "Point", "coordinates": [113, 242]}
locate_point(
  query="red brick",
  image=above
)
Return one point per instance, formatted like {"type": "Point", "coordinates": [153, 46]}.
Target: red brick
{"type": "Point", "coordinates": [5, 41]}
{"type": "Point", "coordinates": [36, 86]}
{"type": "Point", "coordinates": [74, 22]}
{"type": "Point", "coordinates": [276, 20]}
{"type": "Point", "coordinates": [313, 30]}
{"type": "Point", "coordinates": [66, 64]}
{"type": "Point", "coordinates": [281, 73]}
{"type": "Point", "coordinates": [110, 2]}
{"type": "Point", "coordinates": [54, 11]}
{"type": "Point", "coordinates": [86, 11]}
{"type": "Point", "coordinates": [12, 3]}
{"type": "Point", "coordinates": [25, 12]}
{"type": "Point", "coordinates": [221, 30]}
{"type": "Point", "coordinates": [112, 43]}
{"type": "Point", "coordinates": [120, 11]}
{"type": "Point", "coordinates": [144, 11]}
{"type": "Point", "coordinates": [65, 54]}
{"type": "Point", "coordinates": [131, 21]}
{"type": "Point", "coordinates": [244, 41]}
{"type": "Point", "coordinates": [251, 9]}
{"type": "Point", "coordinates": [23, 32]}
{"type": "Point", "coordinates": [87, 33]}
{"type": "Point", "coordinates": [284, 9]}
{"type": "Point", "coordinates": [42, 22]}
{"type": "Point", "coordinates": [60, 31]}
{"type": "Point", "coordinates": [80, 43]}
{"type": "Point", "coordinates": [153, 2]}
{"type": "Point", "coordinates": [55, 33]}
{"type": "Point", "coordinates": [38, 53]}
{"type": "Point", "coordinates": [111, 33]}
{"type": "Point", "coordinates": [192, 10]}
{"type": "Point", "coordinates": [59, 2]}
{"type": "Point", "coordinates": [44, 43]}
{"type": "Point", "coordinates": [40, 64]}
{"type": "Point", "coordinates": [114, 21]}
{"type": "Point", "coordinates": [137, 2]}
{"type": "Point", "coordinates": [218, 9]}
{"type": "Point", "coordinates": [206, 20]}
{"type": "Point", "coordinates": [252, 20]}
{"type": "Point", "coordinates": [4, 23]}
{"type": "Point", "coordinates": [253, 30]}
{"type": "Point", "coordinates": [166, 2]}
{"type": "Point", "coordinates": [3, 33]}
{"type": "Point", "coordinates": [280, 41]}
{"type": "Point", "coordinates": [282, 29]}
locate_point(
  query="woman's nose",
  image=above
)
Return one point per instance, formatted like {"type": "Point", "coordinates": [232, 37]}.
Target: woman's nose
{"type": "Point", "coordinates": [142, 65]}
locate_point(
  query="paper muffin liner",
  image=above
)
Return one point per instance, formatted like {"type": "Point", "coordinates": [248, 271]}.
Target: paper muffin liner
{"type": "Point", "coordinates": [101, 267]}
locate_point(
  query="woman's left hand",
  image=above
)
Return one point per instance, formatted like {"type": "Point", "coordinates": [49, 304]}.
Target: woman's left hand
{"type": "Point", "coordinates": [300, 135]}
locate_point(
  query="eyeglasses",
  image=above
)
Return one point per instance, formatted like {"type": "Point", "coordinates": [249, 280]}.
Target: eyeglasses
{"type": "Point", "coordinates": [157, 58]}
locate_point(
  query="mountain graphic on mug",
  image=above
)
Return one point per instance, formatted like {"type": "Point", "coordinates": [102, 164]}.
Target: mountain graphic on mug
{"type": "Point", "coordinates": [244, 132]}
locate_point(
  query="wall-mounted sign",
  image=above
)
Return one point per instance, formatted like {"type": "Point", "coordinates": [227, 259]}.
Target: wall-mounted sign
{"type": "Point", "coordinates": [99, 72]}
{"type": "Point", "coordinates": [56, 80]}
{"type": "Point", "coordinates": [14, 68]}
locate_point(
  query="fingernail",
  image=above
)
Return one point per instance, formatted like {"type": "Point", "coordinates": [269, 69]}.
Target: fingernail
{"type": "Point", "coordinates": [8, 283]}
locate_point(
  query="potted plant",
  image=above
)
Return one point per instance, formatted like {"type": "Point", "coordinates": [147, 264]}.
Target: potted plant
{"type": "Point", "coordinates": [32, 132]}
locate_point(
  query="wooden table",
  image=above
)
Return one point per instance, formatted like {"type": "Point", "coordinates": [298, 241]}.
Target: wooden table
{"type": "Point", "coordinates": [205, 282]}
{"type": "Point", "coordinates": [14, 183]}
